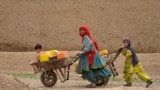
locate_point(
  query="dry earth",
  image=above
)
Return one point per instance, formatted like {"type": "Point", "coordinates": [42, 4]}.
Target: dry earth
{"type": "Point", "coordinates": [11, 83]}
{"type": "Point", "coordinates": [17, 62]}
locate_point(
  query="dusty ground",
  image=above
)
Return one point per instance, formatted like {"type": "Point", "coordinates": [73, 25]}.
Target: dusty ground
{"type": "Point", "coordinates": [55, 23]}
{"type": "Point", "coordinates": [17, 62]}
{"type": "Point", "coordinates": [11, 83]}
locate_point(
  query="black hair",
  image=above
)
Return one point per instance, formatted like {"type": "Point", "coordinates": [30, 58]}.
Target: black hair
{"type": "Point", "coordinates": [38, 46]}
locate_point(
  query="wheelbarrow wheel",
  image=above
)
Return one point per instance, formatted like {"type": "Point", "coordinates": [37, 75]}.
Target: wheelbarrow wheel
{"type": "Point", "coordinates": [101, 81]}
{"type": "Point", "coordinates": [49, 78]}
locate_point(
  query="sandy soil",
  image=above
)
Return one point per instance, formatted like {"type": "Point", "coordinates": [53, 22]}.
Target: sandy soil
{"type": "Point", "coordinates": [55, 23]}
{"type": "Point", "coordinates": [11, 83]}
{"type": "Point", "coordinates": [17, 62]}
{"type": "Point", "coordinates": [81, 85]}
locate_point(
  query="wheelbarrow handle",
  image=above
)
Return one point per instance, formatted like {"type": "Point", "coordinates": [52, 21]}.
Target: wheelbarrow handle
{"type": "Point", "coordinates": [73, 61]}
{"type": "Point", "coordinates": [117, 51]}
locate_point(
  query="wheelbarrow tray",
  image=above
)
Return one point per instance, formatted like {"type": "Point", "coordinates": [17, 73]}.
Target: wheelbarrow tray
{"type": "Point", "coordinates": [53, 64]}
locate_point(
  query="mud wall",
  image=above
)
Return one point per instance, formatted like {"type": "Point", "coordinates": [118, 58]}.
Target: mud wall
{"type": "Point", "coordinates": [55, 23]}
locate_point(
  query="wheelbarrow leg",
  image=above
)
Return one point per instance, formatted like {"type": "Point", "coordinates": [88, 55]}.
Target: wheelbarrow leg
{"type": "Point", "coordinates": [63, 75]}
{"type": "Point", "coordinates": [35, 70]}
{"type": "Point", "coordinates": [68, 72]}
{"type": "Point", "coordinates": [111, 63]}
{"type": "Point", "coordinates": [60, 70]}
{"type": "Point", "coordinates": [112, 70]}
{"type": "Point", "coordinates": [58, 75]}
{"type": "Point", "coordinates": [115, 71]}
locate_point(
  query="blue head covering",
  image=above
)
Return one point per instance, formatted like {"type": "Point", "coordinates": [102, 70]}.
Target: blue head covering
{"type": "Point", "coordinates": [134, 56]}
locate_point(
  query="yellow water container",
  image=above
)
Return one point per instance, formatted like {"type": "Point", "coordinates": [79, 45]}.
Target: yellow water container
{"type": "Point", "coordinates": [103, 52]}
{"type": "Point", "coordinates": [47, 55]}
{"type": "Point", "coordinates": [52, 53]}
{"type": "Point", "coordinates": [44, 57]}
{"type": "Point", "coordinates": [76, 64]}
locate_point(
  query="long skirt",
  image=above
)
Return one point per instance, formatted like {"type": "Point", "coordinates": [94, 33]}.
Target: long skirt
{"type": "Point", "coordinates": [92, 73]}
{"type": "Point", "coordinates": [98, 68]}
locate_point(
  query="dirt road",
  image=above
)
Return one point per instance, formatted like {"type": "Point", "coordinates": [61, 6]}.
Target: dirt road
{"type": "Point", "coordinates": [15, 64]}
{"type": "Point", "coordinates": [80, 85]}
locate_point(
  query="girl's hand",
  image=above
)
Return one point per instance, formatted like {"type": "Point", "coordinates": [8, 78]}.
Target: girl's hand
{"type": "Point", "coordinates": [84, 52]}
{"type": "Point", "coordinates": [122, 46]}
{"type": "Point", "coordinates": [81, 53]}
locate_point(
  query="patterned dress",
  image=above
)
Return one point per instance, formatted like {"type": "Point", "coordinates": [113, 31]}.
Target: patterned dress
{"type": "Point", "coordinates": [97, 68]}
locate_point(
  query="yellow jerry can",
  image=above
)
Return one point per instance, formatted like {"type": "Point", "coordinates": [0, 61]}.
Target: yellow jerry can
{"type": "Point", "coordinates": [103, 52]}
{"type": "Point", "coordinates": [47, 55]}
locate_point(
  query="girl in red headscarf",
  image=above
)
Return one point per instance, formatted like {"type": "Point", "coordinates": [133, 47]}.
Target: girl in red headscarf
{"type": "Point", "coordinates": [90, 63]}
{"type": "Point", "coordinates": [85, 31]}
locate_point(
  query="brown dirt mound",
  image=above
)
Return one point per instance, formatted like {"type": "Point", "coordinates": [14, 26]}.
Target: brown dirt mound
{"type": "Point", "coordinates": [9, 83]}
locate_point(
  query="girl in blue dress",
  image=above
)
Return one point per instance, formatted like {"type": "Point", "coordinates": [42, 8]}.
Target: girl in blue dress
{"type": "Point", "coordinates": [90, 63]}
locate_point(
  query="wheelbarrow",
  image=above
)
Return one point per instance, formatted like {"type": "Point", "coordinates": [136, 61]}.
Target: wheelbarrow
{"type": "Point", "coordinates": [54, 68]}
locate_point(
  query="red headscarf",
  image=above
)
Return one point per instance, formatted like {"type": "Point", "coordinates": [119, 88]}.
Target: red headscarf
{"type": "Point", "coordinates": [87, 32]}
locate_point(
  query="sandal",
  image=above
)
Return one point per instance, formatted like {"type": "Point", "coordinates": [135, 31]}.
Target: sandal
{"type": "Point", "coordinates": [128, 85]}
{"type": "Point", "coordinates": [149, 83]}
{"type": "Point", "coordinates": [91, 86]}
{"type": "Point", "coordinates": [105, 81]}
